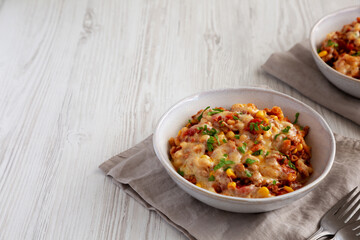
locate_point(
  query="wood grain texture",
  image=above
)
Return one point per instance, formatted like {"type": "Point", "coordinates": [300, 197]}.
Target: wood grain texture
{"type": "Point", "coordinates": [82, 80]}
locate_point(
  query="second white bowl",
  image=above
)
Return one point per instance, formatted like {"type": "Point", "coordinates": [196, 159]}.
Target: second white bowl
{"type": "Point", "coordinates": [330, 23]}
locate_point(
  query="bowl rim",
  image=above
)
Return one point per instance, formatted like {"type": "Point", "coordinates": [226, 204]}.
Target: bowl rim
{"type": "Point", "coordinates": [171, 171]}
{"type": "Point", "coordinates": [313, 47]}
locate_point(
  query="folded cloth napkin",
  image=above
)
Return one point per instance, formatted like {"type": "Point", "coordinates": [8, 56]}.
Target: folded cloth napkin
{"type": "Point", "coordinates": [297, 68]}
{"type": "Point", "coordinates": [140, 174]}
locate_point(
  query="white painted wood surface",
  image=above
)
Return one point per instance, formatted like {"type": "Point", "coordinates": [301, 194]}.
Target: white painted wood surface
{"type": "Point", "coordinates": [81, 81]}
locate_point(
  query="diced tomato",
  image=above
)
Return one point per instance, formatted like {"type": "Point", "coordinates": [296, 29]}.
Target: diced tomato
{"type": "Point", "coordinates": [255, 120]}
{"type": "Point", "coordinates": [216, 118]}
{"type": "Point", "coordinates": [191, 179]}
{"type": "Point", "coordinates": [191, 131]}
{"type": "Point", "coordinates": [350, 46]}
{"type": "Point", "coordinates": [229, 116]}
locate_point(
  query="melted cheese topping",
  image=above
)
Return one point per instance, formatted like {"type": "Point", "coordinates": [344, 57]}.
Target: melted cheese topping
{"type": "Point", "coordinates": [242, 151]}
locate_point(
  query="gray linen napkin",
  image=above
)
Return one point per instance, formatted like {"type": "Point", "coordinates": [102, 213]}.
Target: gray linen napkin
{"type": "Point", "coordinates": [140, 174]}
{"type": "Point", "coordinates": [297, 68]}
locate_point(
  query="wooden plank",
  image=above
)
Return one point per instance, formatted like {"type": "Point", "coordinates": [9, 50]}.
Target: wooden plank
{"type": "Point", "coordinates": [83, 80]}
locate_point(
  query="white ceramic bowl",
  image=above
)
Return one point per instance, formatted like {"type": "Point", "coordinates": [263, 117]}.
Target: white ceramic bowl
{"type": "Point", "coordinates": [320, 138]}
{"type": "Point", "coordinates": [330, 23]}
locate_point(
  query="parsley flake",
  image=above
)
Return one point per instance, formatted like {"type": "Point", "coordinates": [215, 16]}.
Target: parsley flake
{"type": "Point", "coordinates": [211, 178]}
{"type": "Point", "coordinates": [209, 143]}
{"type": "Point", "coordinates": [248, 173]}
{"type": "Point", "coordinates": [180, 172]}
{"type": "Point", "coordinates": [266, 128]}
{"type": "Point", "coordinates": [257, 153]}
{"type": "Point", "coordinates": [286, 130]}
{"type": "Point", "coordinates": [291, 165]}
{"type": "Point", "coordinates": [201, 115]}
{"type": "Point", "coordinates": [250, 161]}
{"type": "Point", "coordinates": [215, 111]}
{"type": "Point", "coordinates": [242, 148]}
{"type": "Point", "coordinates": [296, 118]}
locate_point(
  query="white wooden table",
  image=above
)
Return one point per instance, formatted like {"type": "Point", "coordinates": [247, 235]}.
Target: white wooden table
{"type": "Point", "coordinates": [81, 81]}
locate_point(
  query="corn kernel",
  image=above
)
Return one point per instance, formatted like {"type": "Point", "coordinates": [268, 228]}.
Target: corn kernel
{"type": "Point", "coordinates": [266, 120]}
{"type": "Point", "coordinates": [323, 53]}
{"type": "Point", "coordinates": [274, 117]}
{"type": "Point", "coordinates": [231, 122]}
{"type": "Point", "coordinates": [230, 134]}
{"type": "Point", "coordinates": [198, 184]}
{"type": "Point", "coordinates": [299, 147]}
{"type": "Point", "coordinates": [260, 114]}
{"type": "Point", "coordinates": [267, 134]}
{"type": "Point", "coordinates": [264, 192]}
{"type": "Point", "coordinates": [294, 151]}
{"type": "Point", "coordinates": [288, 189]}
{"type": "Point", "coordinates": [230, 173]}
{"type": "Point", "coordinates": [205, 156]}
{"type": "Point", "coordinates": [231, 185]}
{"type": "Point", "coordinates": [260, 157]}
{"type": "Point", "coordinates": [188, 125]}
{"type": "Point", "coordinates": [179, 132]}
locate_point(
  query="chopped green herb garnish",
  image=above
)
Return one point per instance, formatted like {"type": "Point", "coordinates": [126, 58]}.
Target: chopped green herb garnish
{"type": "Point", "coordinates": [250, 161]}
{"type": "Point", "coordinates": [248, 173]}
{"type": "Point", "coordinates": [296, 118]}
{"type": "Point", "coordinates": [215, 111]}
{"type": "Point", "coordinates": [210, 143]}
{"type": "Point", "coordinates": [331, 43]}
{"type": "Point", "coordinates": [242, 148]}
{"type": "Point", "coordinates": [286, 130]}
{"type": "Point", "coordinates": [235, 117]}
{"type": "Point", "coordinates": [189, 121]}
{"type": "Point", "coordinates": [356, 54]}
{"type": "Point", "coordinates": [226, 168]}
{"type": "Point", "coordinates": [266, 128]}
{"type": "Point", "coordinates": [217, 138]}
{"type": "Point", "coordinates": [291, 165]}
{"type": "Point", "coordinates": [251, 126]}
{"type": "Point", "coordinates": [224, 140]}
{"type": "Point", "coordinates": [211, 178]}
{"type": "Point", "coordinates": [319, 50]}
{"type": "Point", "coordinates": [225, 155]}
{"type": "Point", "coordinates": [285, 138]}
{"type": "Point", "coordinates": [276, 136]}
{"type": "Point", "coordinates": [257, 153]}
{"type": "Point", "coordinates": [285, 155]}
{"type": "Point", "coordinates": [256, 142]}
{"type": "Point", "coordinates": [201, 115]}
{"type": "Point", "coordinates": [267, 153]}
{"type": "Point", "coordinates": [229, 162]}
{"type": "Point", "coordinates": [237, 136]}
{"type": "Point", "coordinates": [274, 182]}
{"type": "Point", "coordinates": [180, 172]}
{"type": "Point", "coordinates": [222, 163]}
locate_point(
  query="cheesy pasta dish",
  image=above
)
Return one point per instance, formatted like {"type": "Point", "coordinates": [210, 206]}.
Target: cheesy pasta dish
{"type": "Point", "coordinates": [243, 151]}
{"type": "Point", "coordinates": [341, 49]}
